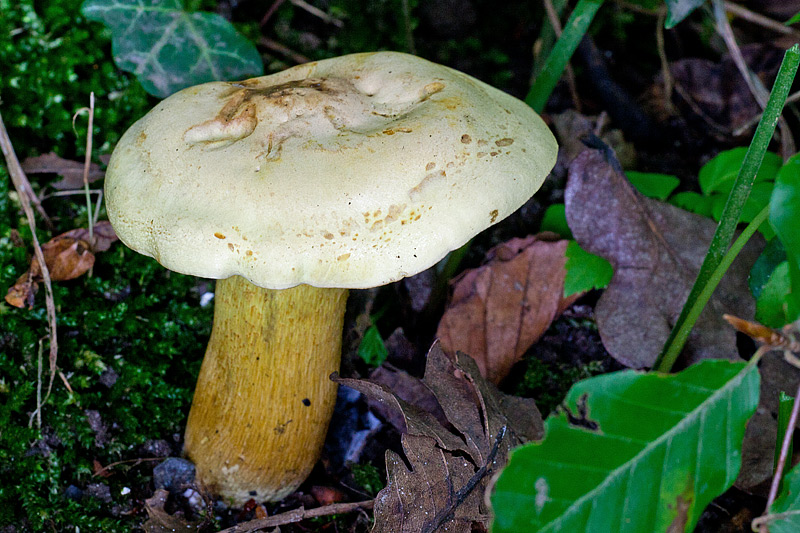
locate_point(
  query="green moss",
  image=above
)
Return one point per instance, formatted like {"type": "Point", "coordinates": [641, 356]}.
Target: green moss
{"type": "Point", "coordinates": [548, 383]}
{"type": "Point", "coordinates": [51, 58]}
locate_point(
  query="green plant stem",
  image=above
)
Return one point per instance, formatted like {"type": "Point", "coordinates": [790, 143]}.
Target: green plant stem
{"type": "Point", "coordinates": [574, 30]}
{"type": "Point", "coordinates": [547, 37]}
{"type": "Point", "coordinates": [730, 214]}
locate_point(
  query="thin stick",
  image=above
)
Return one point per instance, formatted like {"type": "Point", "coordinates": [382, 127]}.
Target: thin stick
{"type": "Point", "coordinates": [787, 440]}
{"type": "Point", "coordinates": [297, 515]}
{"type": "Point", "coordinates": [761, 20]}
{"type": "Point", "coordinates": [662, 56]}
{"type": "Point", "coordinates": [136, 461]}
{"type": "Point", "coordinates": [271, 11]}
{"type": "Point", "coordinates": [461, 495]}
{"type": "Point", "coordinates": [757, 88]}
{"type": "Point", "coordinates": [87, 161]}
{"type": "Point", "coordinates": [26, 197]}
{"type": "Point", "coordinates": [317, 12]}
{"type": "Point", "coordinates": [282, 49]}
{"type": "Point", "coordinates": [552, 17]}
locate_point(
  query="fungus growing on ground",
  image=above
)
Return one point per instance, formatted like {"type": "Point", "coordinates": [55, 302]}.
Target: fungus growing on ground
{"type": "Point", "coordinates": [290, 189]}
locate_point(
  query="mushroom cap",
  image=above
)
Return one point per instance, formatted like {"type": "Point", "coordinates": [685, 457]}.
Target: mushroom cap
{"type": "Point", "coordinates": [349, 172]}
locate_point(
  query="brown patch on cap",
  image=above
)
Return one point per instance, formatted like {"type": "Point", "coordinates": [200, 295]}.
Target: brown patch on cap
{"type": "Point", "coordinates": [466, 139]}
{"type": "Point", "coordinates": [507, 141]}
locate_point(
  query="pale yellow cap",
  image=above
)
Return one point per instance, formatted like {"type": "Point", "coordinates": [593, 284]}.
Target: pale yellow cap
{"type": "Point", "coordinates": [350, 172]}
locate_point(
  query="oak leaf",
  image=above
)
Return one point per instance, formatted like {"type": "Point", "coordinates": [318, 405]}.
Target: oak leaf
{"type": "Point", "coordinates": [442, 483]}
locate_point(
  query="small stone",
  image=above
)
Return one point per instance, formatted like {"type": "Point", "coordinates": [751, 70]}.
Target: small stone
{"type": "Point", "coordinates": [99, 491]}
{"type": "Point", "coordinates": [173, 474]}
{"type": "Point", "coordinates": [108, 377]}
{"type": "Point", "coordinates": [73, 493]}
{"type": "Point", "coordinates": [156, 448]}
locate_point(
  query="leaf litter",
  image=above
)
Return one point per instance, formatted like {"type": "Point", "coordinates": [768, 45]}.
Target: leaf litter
{"type": "Point", "coordinates": [499, 310]}
{"type": "Point", "coordinates": [656, 250]}
{"type": "Point", "coordinates": [441, 481]}
{"type": "Point", "coordinates": [67, 256]}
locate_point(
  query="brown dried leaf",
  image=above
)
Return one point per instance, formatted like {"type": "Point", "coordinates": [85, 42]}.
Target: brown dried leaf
{"type": "Point", "coordinates": [71, 172]}
{"type": "Point", "coordinates": [443, 461]}
{"type": "Point", "coordinates": [716, 92]}
{"type": "Point", "coordinates": [499, 310]}
{"type": "Point", "coordinates": [656, 250]}
{"type": "Point", "coordinates": [67, 256]}
{"type": "Point", "coordinates": [160, 521]}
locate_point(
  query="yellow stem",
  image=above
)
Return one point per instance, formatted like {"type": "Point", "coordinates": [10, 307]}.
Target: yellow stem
{"type": "Point", "coordinates": [263, 398]}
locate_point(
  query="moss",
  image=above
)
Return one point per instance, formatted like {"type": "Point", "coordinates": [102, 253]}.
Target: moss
{"type": "Point", "coordinates": [51, 58]}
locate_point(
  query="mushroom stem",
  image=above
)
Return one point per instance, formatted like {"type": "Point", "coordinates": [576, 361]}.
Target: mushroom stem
{"type": "Point", "coordinates": [264, 398]}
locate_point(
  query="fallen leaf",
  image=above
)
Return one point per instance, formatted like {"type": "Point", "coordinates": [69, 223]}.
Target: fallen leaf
{"type": "Point", "coordinates": [443, 481]}
{"type": "Point", "coordinates": [71, 172]}
{"type": "Point", "coordinates": [717, 94]}
{"type": "Point", "coordinates": [67, 256]}
{"type": "Point", "coordinates": [656, 250]}
{"type": "Point", "coordinates": [159, 521]}
{"type": "Point", "coordinates": [499, 310]}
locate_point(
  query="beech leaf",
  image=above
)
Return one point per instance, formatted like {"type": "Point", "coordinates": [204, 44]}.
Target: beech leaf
{"type": "Point", "coordinates": [656, 250]}
{"type": "Point", "coordinates": [71, 172]}
{"type": "Point", "coordinates": [441, 484]}
{"type": "Point", "coordinates": [67, 256]}
{"type": "Point", "coordinates": [499, 310]}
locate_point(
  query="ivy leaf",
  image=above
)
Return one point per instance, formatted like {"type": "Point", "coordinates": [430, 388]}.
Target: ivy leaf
{"type": "Point", "coordinates": [662, 445]}
{"type": "Point", "coordinates": [677, 10]}
{"type": "Point", "coordinates": [168, 49]}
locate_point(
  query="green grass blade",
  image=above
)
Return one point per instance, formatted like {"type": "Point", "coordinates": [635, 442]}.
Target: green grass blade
{"type": "Point", "coordinates": [637, 452]}
{"type": "Point", "coordinates": [731, 212]}
{"type": "Point", "coordinates": [575, 29]}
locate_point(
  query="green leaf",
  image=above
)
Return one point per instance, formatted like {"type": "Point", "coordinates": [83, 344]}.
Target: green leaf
{"type": "Point", "coordinates": [372, 349]}
{"type": "Point", "coordinates": [773, 308]}
{"type": "Point", "coordinates": [585, 271]}
{"type": "Point", "coordinates": [677, 10]}
{"type": "Point", "coordinates": [555, 220]}
{"type": "Point", "coordinates": [652, 185]}
{"type": "Point", "coordinates": [784, 208]}
{"type": "Point", "coordinates": [168, 48]}
{"type": "Point", "coordinates": [757, 200]}
{"type": "Point", "coordinates": [794, 20]}
{"type": "Point", "coordinates": [788, 501]}
{"type": "Point", "coordinates": [785, 403]}
{"type": "Point", "coordinates": [694, 202]}
{"type": "Point", "coordinates": [636, 452]}
{"type": "Point", "coordinates": [772, 255]}
{"type": "Point", "coordinates": [720, 172]}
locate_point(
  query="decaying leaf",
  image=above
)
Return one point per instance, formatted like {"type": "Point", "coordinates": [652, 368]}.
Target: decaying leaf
{"type": "Point", "coordinates": [160, 521]}
{"type": "Point", "coordinates": [443, 481]}
{"type": "Point", "coordinates": [499, 310]}
{"type": "Point", "coordinates": [71, 172]}
{"type": "Point", "coordinates": [717, 94]}
{"type": "Point", "coordinates": [68, 256]}
{"type": "Point", "coordinates": [656, 250]}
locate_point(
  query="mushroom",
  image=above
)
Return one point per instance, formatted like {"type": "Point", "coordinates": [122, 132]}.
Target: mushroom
{"type": "Point", "coordinates": [290, 189]}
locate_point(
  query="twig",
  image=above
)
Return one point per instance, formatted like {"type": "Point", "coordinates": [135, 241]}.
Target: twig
{"type": "Point", "coordinates": [792, 98]}
{"type": "Point", "coordinates": [761, 20]}
{"type": "Point", "coordinates": [552, 17]}
{"type": "Point", "coordinates": [461, 495]}
{"type": "Point", "coordinates": [297, 515]}
{"type": "Point", "coordinates": [117, 463]}
{"type": "Point", "coordinates": [761, 521]}
{"type": "Point", "coordinates": [38, 412]}
{"type": "Point", "coordinates": [271, 11]}
{"type": "Point", "coordinates": [787, 440]}
{"type": "Point", "coordinates": [757, 88]}
{"type": "Point", "coordinates": [317, 12]}
{"type": "Point", "coordinates": [282, 49]}
{"type": "Point", "coordinates": [662, 56]}
{"type": "Point", "coordinates": [86, 163]}
{"type": "Point", "coordinates": [26, 197]}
